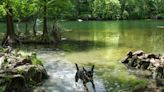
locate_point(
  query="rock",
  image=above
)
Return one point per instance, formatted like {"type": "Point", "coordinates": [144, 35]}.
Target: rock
{"type": "Point", "coordinates": [151, 55]}
{"type": "Point", "coordinates": [160, 83]}
{"type": "Point", "coordinates": [16, 84]}
{"type": "Point", "coordinates": [37, 73]}
{"type": "Point", "coordinates": [126, 59]}
{"type": "Point", "coordinates": [32, 73]}
{"type": "Point", "coordinates": [133, 62]}
{"type": "Point", "coordinates": [20, 72]}
{"type": "Point", "coordinates": [1, 61]}
{"type": "Point", "coordinates": [23, 62]}
{"type": "Point", "coordinates": [140, 60]}
{"type": "Point", "coordinates": [39, 90]}
{"type": "Point", "coordinates": [138, 53]}
{"type": "Point", "coordinates": [144, 64]}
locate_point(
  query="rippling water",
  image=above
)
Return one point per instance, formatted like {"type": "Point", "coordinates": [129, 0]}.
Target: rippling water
{"type": "Point", "coordinates": [104, 44]}
{"type": "Point", "coordinates": [62, 75]}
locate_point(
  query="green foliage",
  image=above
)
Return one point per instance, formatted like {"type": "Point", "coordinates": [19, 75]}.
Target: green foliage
{"type": "Point", "coordinates": [35, 60]}
{"type": "Point", "coordinates": [25, 8]}
{"type": "Point", "coordinates": [21, 8]}
{"type": "Point", "coordinates": [32, 56]}
{"type": "Point", "coordinates": [2, 11]}
{"type": "Point", "coordinates": [106, 9]}
{"type": "Point", "coordinates": [59, 9]}
{"type": "Point", "coordinates": [97, 9]}
{"type": "Point", "coordinates": [1, 88]}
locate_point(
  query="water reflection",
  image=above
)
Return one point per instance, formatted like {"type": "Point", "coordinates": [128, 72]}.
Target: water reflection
{"type": "Point", "coordinates": [112, 40]}
{"type": "Point", "coordinates": [117, 34]}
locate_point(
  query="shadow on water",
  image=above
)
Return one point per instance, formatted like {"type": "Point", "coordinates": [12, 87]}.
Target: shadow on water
{"type": "Point", "coordinates": [81, 45]}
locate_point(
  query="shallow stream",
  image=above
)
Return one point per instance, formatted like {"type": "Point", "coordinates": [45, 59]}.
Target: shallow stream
{"type": "Point", "coordinates": [62, 75]}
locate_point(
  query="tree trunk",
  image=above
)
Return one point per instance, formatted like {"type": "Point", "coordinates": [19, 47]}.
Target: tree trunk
{"type": "Point", "coordinates": [17, 28]}
{"type": "Point", "coordinates": [122, 8]}
{"type": "Point", "coordinates": [56, 34]}
{"type": "Point", "coordinates": [34, 27]}
{"type": "Point", "coordinates": [26, 28]}
{"type": "Point", "coordinates": [45, 32]}
{"type": "Point", "coordinates": [78, 9]}
{"type": "Point", "coordinates": [10, 37]}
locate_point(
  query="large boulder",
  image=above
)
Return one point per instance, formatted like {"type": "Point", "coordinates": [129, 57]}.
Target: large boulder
{"type": "Point", "coordinates": [19, 71]}
{"type": "Point", "coordinates": [16, 83]}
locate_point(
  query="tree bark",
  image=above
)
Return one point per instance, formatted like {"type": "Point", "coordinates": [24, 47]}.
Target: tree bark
{"type": "Point", "coordinates": [122, 8]}
{"type": "Point", "coordinates": [45, 31]}
{"type": "Point", "coordinates": [77, 9]}
{"type": "Point", "coordinates": [26, 28]}
{"type": "Point", "coordinates": [10, 24]}
{"type": "Point", "coordinates": [10, 37]}
{"type": "Point", "coordinates": [34, 27]}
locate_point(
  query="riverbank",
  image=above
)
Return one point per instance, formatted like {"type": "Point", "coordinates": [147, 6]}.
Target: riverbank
{"type": "Point", "coordinates": [20, 71]}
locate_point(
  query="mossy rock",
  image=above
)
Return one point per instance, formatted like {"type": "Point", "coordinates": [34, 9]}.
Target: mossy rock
{"type": "Point", "coordinates": [32, 73]}
{"type": "Point", "coordinates": [37, 74]}
{"type": "Point", "coordinates": [16, 84]}
{"type": "Point", "coordinates": [20, 71]}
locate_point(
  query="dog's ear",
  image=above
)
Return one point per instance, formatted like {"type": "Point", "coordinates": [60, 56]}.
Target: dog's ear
{"type": "Point", "coordinates": [77, 66]}
{"type": "Point", "coordinates": [92, 68]}
{"type": "Point", "coordinates": [84, 69]}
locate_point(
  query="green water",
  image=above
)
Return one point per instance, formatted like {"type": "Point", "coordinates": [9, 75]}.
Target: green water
{"type": "Point", "coordinates": [105, 43]}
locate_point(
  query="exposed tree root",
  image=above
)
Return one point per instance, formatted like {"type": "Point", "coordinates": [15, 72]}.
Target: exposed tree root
{"type": "Point", "coordinates": [10, 40]}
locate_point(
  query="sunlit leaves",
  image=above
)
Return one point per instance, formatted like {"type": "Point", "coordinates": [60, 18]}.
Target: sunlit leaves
{"type": "Point", "coordinates": [21, 8]}
{"type": "Point", "coordinates": [106, 9]}
{"type": "Point", "coordinates": [60, 8]}
{"type": "Point", "coordinates": [25, 8]}
{"type": "Point", "coordinates": [2, 10]}
{"type": "Point", "coordinates": [100, 9]}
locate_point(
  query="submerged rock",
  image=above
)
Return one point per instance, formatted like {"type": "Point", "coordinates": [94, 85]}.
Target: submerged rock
{"type": "Point", "coordinates": [20, 72]}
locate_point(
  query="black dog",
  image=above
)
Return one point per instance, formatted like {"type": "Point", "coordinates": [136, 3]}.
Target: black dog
{"type": "Point", "coordinates": [85, 76]}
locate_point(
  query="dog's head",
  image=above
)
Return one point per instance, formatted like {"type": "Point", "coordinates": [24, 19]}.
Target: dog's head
{"type": "Point", "coordinates": [89, 73]}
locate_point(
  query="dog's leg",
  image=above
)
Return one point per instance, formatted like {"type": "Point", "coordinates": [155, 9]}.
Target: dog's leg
{"type": "Point", "coordinates": [93, 85]}
{"type": "Point", "coordinates": [76, 79]}
{"type": "Point", "coordinates": [84, 83]}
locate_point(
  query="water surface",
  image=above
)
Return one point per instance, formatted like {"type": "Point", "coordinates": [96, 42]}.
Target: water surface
{"type": "Point", "coordinates": [104, 44]}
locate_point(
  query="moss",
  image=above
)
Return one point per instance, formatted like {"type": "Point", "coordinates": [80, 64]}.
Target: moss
{"type": "Point", "coordinates": [2, 88]}
{"type": "Point", "coordinates": [35, 60]}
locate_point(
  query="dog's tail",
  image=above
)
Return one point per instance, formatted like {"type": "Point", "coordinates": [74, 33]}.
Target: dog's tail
{"type": "Point", "coordinates": [77, 67]}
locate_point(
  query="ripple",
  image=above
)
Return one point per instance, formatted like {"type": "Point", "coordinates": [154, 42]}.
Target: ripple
{"type": "Point", "coordinates": [62, 77]}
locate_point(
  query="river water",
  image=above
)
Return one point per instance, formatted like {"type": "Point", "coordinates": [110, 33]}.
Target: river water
{"type": "Point", "coordinates": [62, 74]}
{"type": "Point", "coordinates": [104, 44]}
